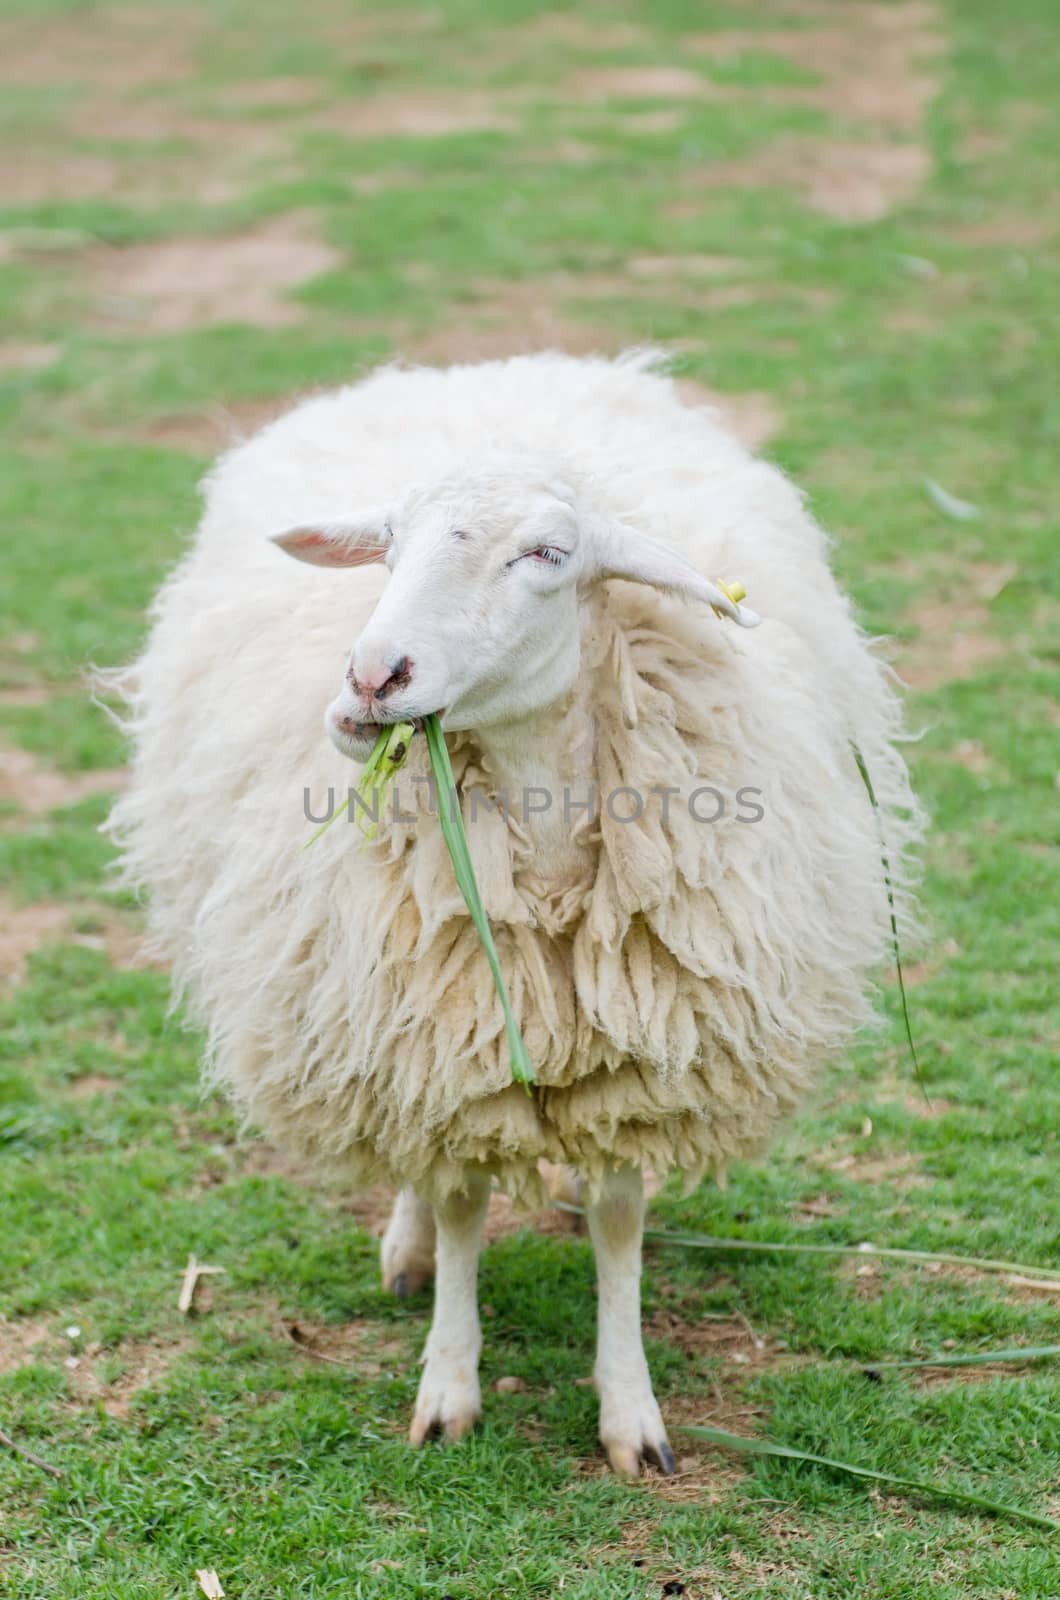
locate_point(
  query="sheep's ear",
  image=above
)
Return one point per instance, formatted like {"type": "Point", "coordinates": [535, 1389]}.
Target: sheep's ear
{"type": "Point", "coordinates": [618, 551]}
{"type": "Point", "coordinates": [353, 542]}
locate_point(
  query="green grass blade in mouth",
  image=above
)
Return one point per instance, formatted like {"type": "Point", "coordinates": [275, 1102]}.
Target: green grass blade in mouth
{"type": "Point", "coordinates": [456, 842]}
{"type": "Point", "coordinates": [763, 1447]}
{"type": "Point", "coordinates": [387, 757]}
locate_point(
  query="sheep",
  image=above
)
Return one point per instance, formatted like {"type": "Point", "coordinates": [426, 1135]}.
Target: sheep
{"type": "Point", "coordinates": [529, 547]}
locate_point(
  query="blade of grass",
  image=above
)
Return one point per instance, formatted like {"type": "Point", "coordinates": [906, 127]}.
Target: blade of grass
{"type": "Point", "coordinates": [892, 1252]}
{"type": "Point", "coordinates": [1038, 1352]}
{"type": "Point", "coordinates": [886, 863]}
{"type": "Point", "coordinates": [456, 842]}
{"type": "Point", "coordinates": [707, 1241]}
{"type": "Point", "coordinates": [385, 760]}
{"type": "Point", "coordinates": [763, 1447]}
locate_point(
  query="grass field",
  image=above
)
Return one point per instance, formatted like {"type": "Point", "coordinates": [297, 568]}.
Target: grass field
{"type": "Point", "coordinates": [841, 217]}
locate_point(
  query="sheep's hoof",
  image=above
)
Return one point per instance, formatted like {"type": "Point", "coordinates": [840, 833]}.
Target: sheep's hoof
{"type": "Point", "coordinates": [626, 1460]}
{"type": "Point", "coordinates": [445, 1410]}
{"type": "Point", "coordinates": [407, 1248]}
{"type": "Point", "coordinates": [632, 1432]}
{"type": "Point", "coordinates": [408, 1282]}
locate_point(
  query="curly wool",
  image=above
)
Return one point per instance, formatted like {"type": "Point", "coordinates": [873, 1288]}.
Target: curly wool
{"type": "Point", "coordinates": [679, 988]}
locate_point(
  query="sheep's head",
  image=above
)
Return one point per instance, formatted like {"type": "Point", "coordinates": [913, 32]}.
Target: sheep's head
{"type": "Point", "coordinates": [479, 620]}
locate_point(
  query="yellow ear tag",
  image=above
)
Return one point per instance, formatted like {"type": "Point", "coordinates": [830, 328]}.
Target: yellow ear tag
{"type": "Point", "coordinates": [735, 591]}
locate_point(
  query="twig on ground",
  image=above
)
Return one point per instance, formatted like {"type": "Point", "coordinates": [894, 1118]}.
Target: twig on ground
{"type": "Point", "coordinates": [28, 1455]}
{"type": "Point", "coordinates": [190, 1281]}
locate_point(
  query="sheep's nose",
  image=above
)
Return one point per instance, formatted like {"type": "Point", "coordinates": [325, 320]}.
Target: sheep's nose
{"type": "Point", "coordinates": [376, 682]}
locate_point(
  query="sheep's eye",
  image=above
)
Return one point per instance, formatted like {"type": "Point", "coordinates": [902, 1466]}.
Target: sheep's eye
{"type": "Point", "coordinates": [547, 553]}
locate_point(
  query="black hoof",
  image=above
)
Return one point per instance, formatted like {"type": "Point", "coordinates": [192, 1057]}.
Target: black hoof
{"type": "Point", "coordinates": [662, 1457]}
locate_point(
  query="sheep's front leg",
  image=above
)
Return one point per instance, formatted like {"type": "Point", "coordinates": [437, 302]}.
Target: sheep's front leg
{"type": "Point", "coordinates": [631, 1427]}
{"type": "Point", "coordinates": [407, 1250]}
{"type": "Point", "coordinates": [449, 1401]}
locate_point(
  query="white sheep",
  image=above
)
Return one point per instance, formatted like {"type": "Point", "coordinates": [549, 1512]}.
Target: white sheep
{"type": "Point", "coordinates": [551, 528]}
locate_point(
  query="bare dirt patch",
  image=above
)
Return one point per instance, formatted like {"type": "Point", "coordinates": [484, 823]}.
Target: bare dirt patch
{"type": "Point", "coordinates": [1016, 232]}
{"type": "Point", "coordinates": [590, 84]}
{"type": "Point", "coordinates": [730, 1340]}
{"type": "Point", "coordinates": [850, 181]}
{"type": "Point", "coordinates": [26, 929]}
{"type": "Point", "coordinates": [753, 417]}
{"type": "Point", "coordinates": [648, 122]}
{"type": "Point", "coordinates": [372, 1210]}
{"type": "Point", "coordinates": [503, 1219]}
{"type": "Point", "coordinates": [31, 177]}
{"type": "Point", "coordinates": [177, 284]}
{"type": "Point", "coordinates": [36, 788]}
{"type": "Point", "coordinates": [420, 115]}
{"type": "Point", "coordinates": [91, 1085]}
{"type": "Point", "coordinates": [954, 637]}
{"type": "Point", "coordinates": [275, 92]}
{"type": "Point", "coordinates": [123, 68]}
{"type": "Point", "coordinates": [510, 319]}
{"type": "Point", "coordinates": [1019, 1288]}
{"type": "Point", "coordinates": [121, 48]}
{"type": "Point", "coordinates": [209, 160]}
{"type": "Point", "coordinates": [580, 33]}
{"type": "Point", "coordinates": [513, 319]}
{"type": "Point", "coordinates": [19, 1342]}
{"type": "Point", "coordinates": [27, 357]}
{"type": "Point", "coordinates": [875, 65]}
{"type": "Point", "coordinates": [142, 1363]}
{"type": "Point", "coordinates": [213, 429]}
{"type": "Point", "coordinates": [892, 1092]}
{"type": "Point", "coordinates": [25, 694]}
{"type": "Point", "coordinates": [900, 1172]}
{"type": "Point", "coordinates": [688, 266]}
{"type": "Point", "coordinates": [370, 1348]}
{"type": "Point", "coordinates": [875, 61]}
{"type": "Point", "coordinates": [952, 645]}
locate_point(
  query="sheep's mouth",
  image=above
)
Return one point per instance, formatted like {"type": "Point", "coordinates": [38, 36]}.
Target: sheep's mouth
{"type": "Point", "coordinates": [355, 731]}
{"type": "Point", "coordinates": [372, 730]}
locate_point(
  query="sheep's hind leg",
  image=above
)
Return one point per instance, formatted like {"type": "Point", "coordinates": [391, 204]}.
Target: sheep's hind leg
{"type": "Point", "coordinates": [407, 1250]}
{"type": "Point", "coordinates": [631, 1427]}
{"type": "Point", "coordinates": [449, 1401]}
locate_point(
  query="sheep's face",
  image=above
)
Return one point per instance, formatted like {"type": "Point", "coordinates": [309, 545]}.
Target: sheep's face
{"type": "Point", "coordinates": [479, 620]}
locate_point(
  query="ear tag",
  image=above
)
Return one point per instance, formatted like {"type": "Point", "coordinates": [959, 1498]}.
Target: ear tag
{"type": "Point", "coordinates": [735, 591]}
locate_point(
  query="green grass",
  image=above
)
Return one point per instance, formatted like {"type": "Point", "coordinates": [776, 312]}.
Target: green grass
{"type": "Point", "coordinates": [216, 1441]}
